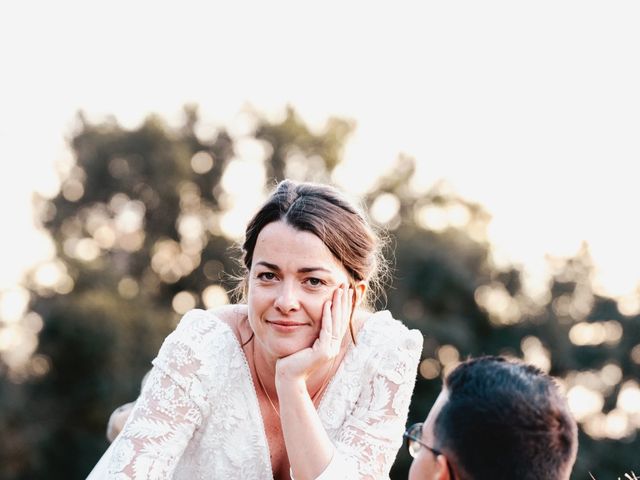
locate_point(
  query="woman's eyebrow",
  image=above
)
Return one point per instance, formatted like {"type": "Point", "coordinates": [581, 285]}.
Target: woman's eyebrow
{"type": "Point", "coordinates": [276, 268]}
{"type": "Point", "coordinates": [270, 266]}
{"type": "Point", "coordinates": [313, 269]}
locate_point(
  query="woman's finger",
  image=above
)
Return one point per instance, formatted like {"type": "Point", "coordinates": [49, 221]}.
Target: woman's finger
{"type": "Point", "coordinates": [348, 310]}
{"type": "Point", "coordinates": [336, 312]}
{"type": "Point", "coordinates": [326, 330]}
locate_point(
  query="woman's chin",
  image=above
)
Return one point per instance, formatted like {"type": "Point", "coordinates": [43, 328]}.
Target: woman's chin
{"type": "Point", "coordinates": [285, 349]}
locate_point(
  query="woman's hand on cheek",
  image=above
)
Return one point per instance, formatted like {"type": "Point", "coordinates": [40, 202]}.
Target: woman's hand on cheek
{"type": "Point", "coordinates": [336, 314]}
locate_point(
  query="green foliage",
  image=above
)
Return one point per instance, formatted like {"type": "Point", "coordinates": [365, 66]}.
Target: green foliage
{"type": "Point", "coordinates": [138, 221]}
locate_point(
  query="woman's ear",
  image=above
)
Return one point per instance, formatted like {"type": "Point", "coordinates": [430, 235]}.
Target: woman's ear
{"type": "Point", "coordinates": [359, 290]}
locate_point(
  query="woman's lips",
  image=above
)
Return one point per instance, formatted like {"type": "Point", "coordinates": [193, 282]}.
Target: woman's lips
{"type": "Point", "coordinates": [285, 325]}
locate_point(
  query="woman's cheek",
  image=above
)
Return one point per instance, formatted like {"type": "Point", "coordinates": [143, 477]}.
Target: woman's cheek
{"type": "Point", "coordinates": [316, 305]}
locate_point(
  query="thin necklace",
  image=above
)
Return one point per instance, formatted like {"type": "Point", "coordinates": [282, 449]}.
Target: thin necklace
{"type": "Point", "coordinates": [264, 389]}
{"type": "Point", "coordinates": [313, 397]}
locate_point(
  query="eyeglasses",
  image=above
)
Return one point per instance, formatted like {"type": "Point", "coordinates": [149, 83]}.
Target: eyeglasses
{"type": "Point", "coordinates": [414, 443]}
{"type": "Point", "coordinates": [413, 439]}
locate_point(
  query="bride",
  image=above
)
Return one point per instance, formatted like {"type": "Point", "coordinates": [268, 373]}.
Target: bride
{"type": "Point", "coordinates": [301, 381]}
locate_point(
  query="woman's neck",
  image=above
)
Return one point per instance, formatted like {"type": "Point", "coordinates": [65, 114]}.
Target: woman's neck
{"type": "Point", "coordinates": [264, 364]}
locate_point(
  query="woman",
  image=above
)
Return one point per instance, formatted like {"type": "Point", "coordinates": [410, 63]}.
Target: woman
{"type": "Point", "coordinates": [300, 382]}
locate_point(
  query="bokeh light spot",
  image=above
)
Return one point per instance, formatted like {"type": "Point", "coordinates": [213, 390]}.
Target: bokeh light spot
{"type": "Point", "coordinates": [128, 287]}
{"type": "Point", "coordinates": [13, 303]}
{"type": "Point", "coordinates": [629, 397]}
{"type": "Point", "coordinates": [596, 333]}
{"type": "Point", "coordinates": [502, 308]}
{"type": "Point", "coordinates": [214, 296]}
{"type": "Point", "coordinates": [384, 208]}
{"type": "Point", "coordinates": [629, 305]}
{"type": "Point", "coordinates": [535, 353]}
{"type": "Point", "coordinates": [202, 162]}
{"type": "Point", "coordinates": [429, 368]}
{"type": "Point", "coordinates": [584, 402]}
{"type": "Point", "coordinates": [635, 354]}
{"type": "Point", "coordinates": [183, 302]}
{"type": "Point", "coordinates": [449, 357]}
{"type": "Point", "coordinates": [72, 190]}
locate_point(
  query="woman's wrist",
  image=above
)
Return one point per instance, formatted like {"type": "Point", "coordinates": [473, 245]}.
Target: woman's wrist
{"type": "Point", "coordinates": [288, 382]}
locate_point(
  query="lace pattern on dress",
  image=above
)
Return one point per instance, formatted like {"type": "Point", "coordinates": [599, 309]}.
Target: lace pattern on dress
{"type": "Point", "coordinates": [198, 415]}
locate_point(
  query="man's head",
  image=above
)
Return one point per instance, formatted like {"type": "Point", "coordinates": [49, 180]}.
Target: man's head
{"type": "Point", "coordinates": [496, 419]}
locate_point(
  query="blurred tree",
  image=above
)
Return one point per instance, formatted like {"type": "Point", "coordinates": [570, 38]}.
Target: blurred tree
{"type": "Point", "coordinates": [142, 234]}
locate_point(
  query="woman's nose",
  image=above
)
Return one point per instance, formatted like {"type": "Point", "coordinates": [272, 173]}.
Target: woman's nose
{"type": "Point", "coordinates": [287, 300]}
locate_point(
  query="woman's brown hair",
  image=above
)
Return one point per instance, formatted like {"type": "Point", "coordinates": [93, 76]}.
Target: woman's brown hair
{"type": "Point", "coordinates": [325, 212]}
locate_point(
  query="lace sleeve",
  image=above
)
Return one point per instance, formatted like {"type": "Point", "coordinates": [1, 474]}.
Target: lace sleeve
{"type": "Point", "coordinates": [171, 406]}
{"type": "Point", "coordinates": [369, 440]}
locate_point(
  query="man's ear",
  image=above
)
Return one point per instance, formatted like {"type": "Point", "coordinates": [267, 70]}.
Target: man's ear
{"type": "Point", "coordinates": [442, 468]}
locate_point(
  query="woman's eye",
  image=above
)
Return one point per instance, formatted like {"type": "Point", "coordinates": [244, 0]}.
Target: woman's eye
{"type": "Point", "coordinates": [267, 276]}
{"type": "Point", "coordinates": [314, 282]}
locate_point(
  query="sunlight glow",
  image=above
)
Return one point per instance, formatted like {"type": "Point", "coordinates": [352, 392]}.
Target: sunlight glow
{"type": "Point", "coordinates": [9, 338]}
{"type": "Point", "coordinates": [241, 174]}
{"type": "Point", "coordinates": [459, 119]}
{"type": "Point", "coordinates": [13, 304]}
{"type": "Point", "coordinates": [242, 181]}
{"type": "Point", "coordinates": [252, 150]}
{"type": "Point", "coordinates": [432, 217]}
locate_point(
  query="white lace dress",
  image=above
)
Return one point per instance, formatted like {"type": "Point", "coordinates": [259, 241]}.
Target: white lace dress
{"type": "Point", "coordinates": [198, 417]}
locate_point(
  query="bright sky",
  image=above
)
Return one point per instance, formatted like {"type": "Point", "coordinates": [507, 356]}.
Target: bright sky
{"type": "Point", "coordinates": [529, 108]}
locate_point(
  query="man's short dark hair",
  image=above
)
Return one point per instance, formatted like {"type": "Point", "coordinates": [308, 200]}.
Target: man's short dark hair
{"type": "Point", "coordinates": [505, 420]}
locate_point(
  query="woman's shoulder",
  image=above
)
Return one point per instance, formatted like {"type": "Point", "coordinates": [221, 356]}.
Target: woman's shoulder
{"type": "Point", "coordinates": [380, 328]}
{"type": "Point", "coordinates": [205, 323]}
{"type": "Point", "coordinates": [203, 335]}
{"type": "Point", "coordinates": [231, 314]}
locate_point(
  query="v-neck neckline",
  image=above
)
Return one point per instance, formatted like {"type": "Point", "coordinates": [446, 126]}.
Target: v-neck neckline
{"type": "Point", "coordinates": [256, 402]}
